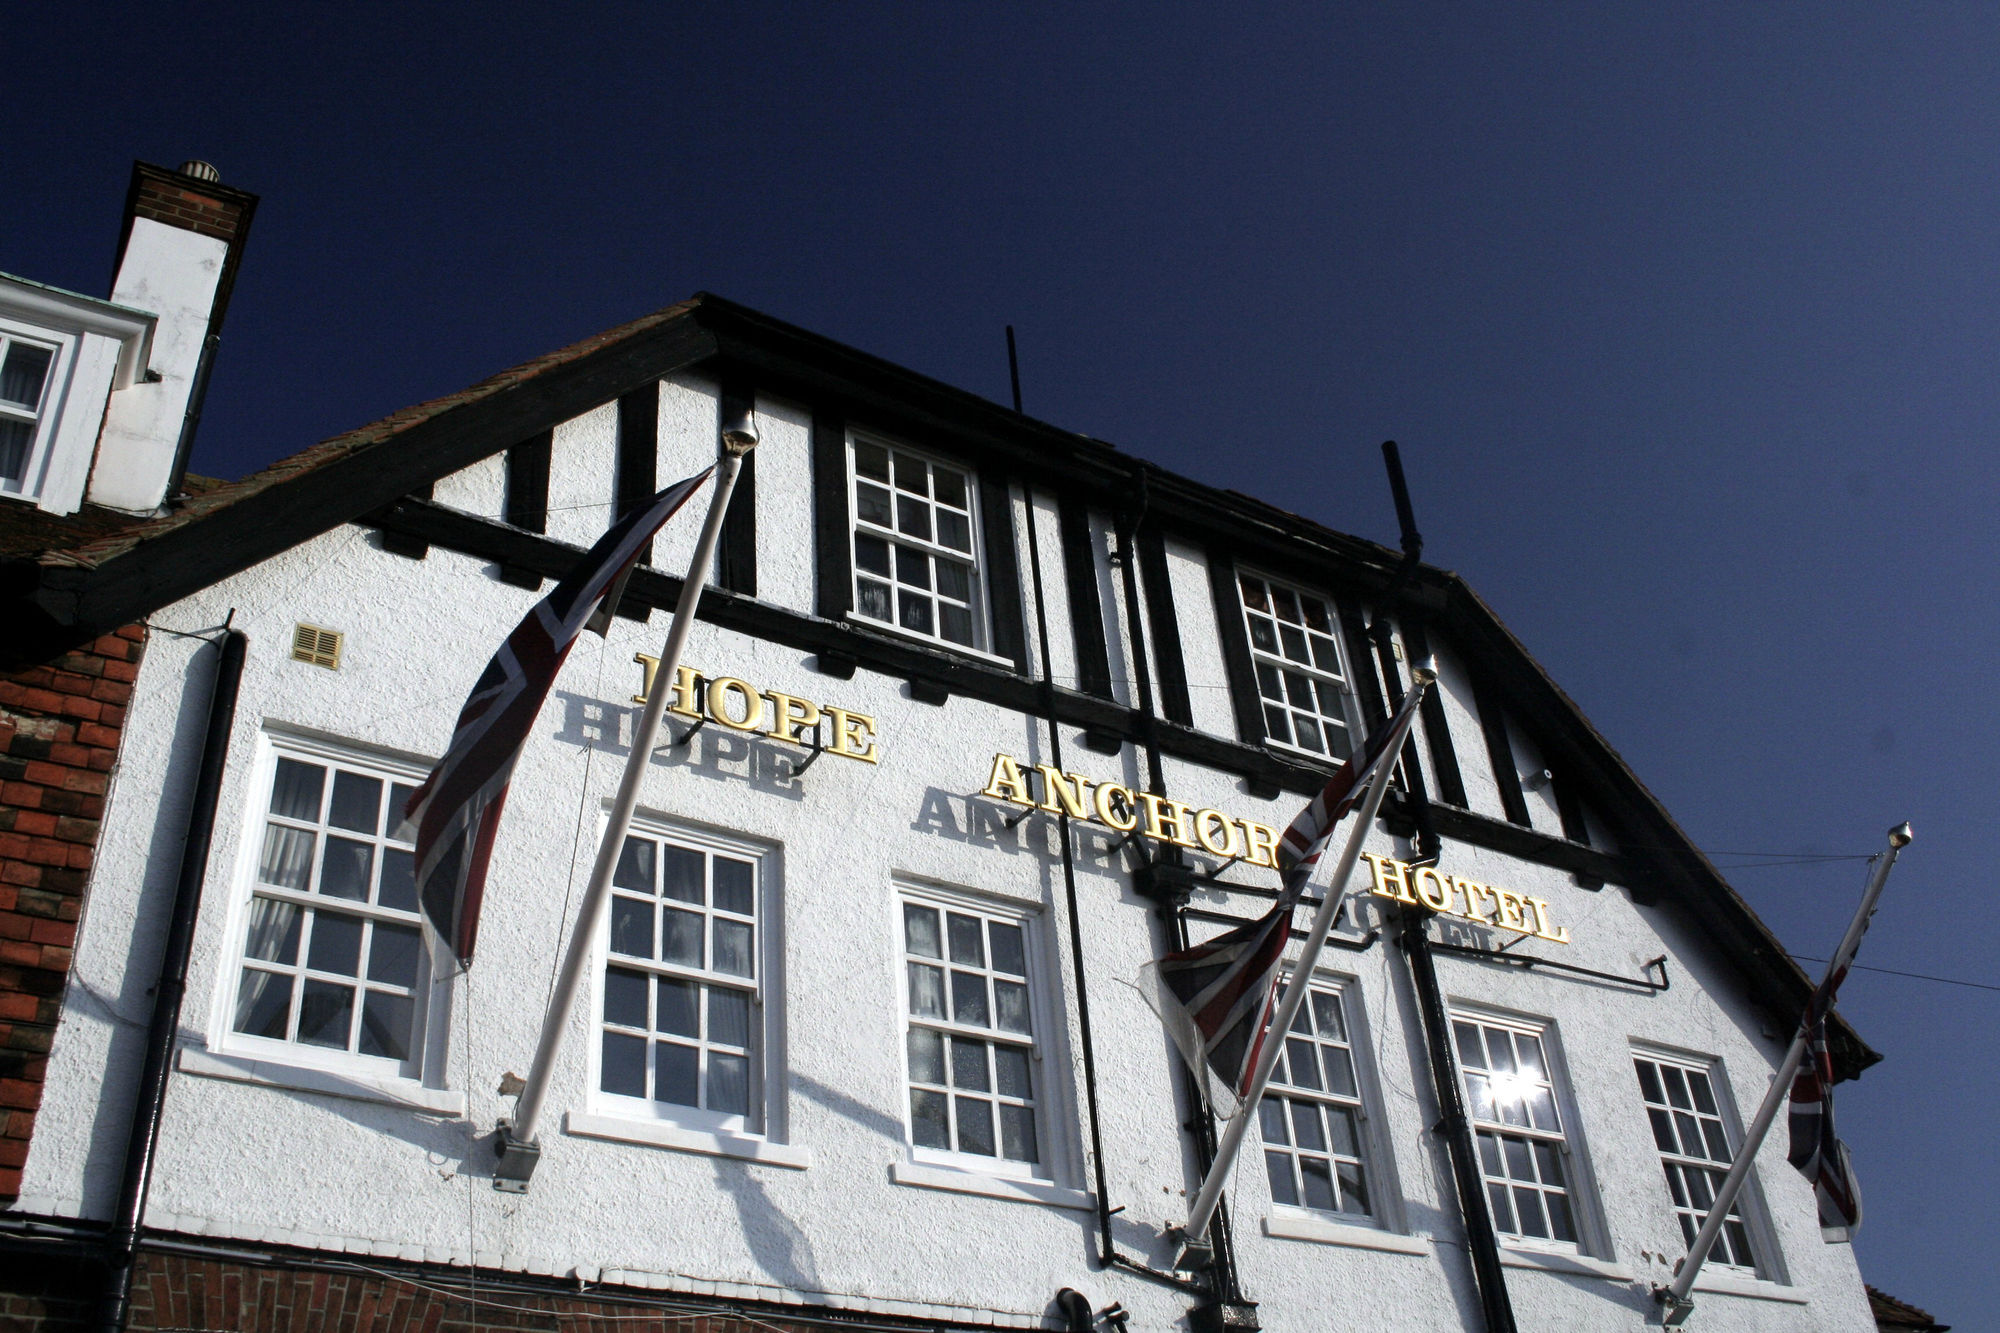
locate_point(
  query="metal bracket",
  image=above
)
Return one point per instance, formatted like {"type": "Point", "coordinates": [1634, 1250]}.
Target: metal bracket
{"type": "Point", "coordinates": [1015, 822]}
{"type": "Point", "coordinates": [515, 1161]}
{"type": "Point", "coordinates": [818, 748]}
{"type": "Point", "coordinates": [1674, 1313]}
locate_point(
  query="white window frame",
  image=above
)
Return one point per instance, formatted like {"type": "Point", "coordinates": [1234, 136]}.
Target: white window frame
{"type": "Point", "coordinates": [765, 1120]}
{"type": "Point", "coordinates": [1766, 1262]}
{"type": "Point", "coordinates": [1567, 1139]}
{"type": "Point", "coordinates": [424, 1065]}
{"type": "Point", "coordinates": [1378, 1179]}
{"type": "Point", "coordinates": [1043, 1014]}
{"type": "Point", "coordinates": [1319, 679]}
{"type": "Point", "coordinates": [47, 414]}
{"type": "Point", "coordinates": [981, 605]}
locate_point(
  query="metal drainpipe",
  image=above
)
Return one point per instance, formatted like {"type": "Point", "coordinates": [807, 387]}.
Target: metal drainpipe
{"type": "Point", "coordinates": [1488, 1275]}
{"type": "Point", "coordinates": [122, 1242]}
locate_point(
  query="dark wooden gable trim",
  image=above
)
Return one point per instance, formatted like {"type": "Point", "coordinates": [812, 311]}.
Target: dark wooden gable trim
{"type": "Point", "coordinates": [527, 502]}
{"type": "Point", "coordinates": [1500, 750]}
{"type": "Point", "coordinates": [1243, 697]}
{"type": "Point", "coordinates": [1437, 728]}
{"type": "Point", "coordinates": [1168, 663]}
{"type": "Point", "coordinates": [638, 454]}
{"type": "Point", "coordinates": [1086, 606]}
{"type": "Point", "coordinates": [832, 525]}
{"type": "Point", "coordinates": [736, 549]}
{"type": "Point", "coordinates": [1003, 568]}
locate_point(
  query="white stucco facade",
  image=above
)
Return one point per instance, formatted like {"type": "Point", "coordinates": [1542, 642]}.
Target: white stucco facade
{"type": "Point", "coordinates": [821, 1199]}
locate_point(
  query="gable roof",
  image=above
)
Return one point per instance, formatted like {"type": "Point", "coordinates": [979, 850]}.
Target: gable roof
{"type": "Point", "coordinates": [67, 581]}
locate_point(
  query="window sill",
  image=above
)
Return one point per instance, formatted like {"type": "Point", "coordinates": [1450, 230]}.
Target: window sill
{"type": "Point", "coordinates": [713, 1143]}
{"type": "Point", "coordinates": [1571, 1263]}
{"type": "Point", "coordinates": [1752, 1288]}
{"type": "Point", "coordinates": [993, 1187]}
{"type": "Point", "coordinates": [404, 1092]}
{"type": "Point", "coordinates": [1289, 1225]}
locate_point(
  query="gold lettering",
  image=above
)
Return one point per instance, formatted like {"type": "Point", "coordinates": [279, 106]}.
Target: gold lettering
{"type": "Point", "coordinates": [854, 735]}
{"type": "Point", "coordinates": [1114, 807]}
{"type": "Point", "coordinates": [1389, 872]}
{"type": "Point", "coordinates": [718, 703]}
{"type": "Point", "coordinates": [1163, 813]}
{"type": "Point", "coordinates": [1067, 789]}
{"type": "Point", "coordinates": [1510, 917]}
{"type": "Point", "coordinates": [1560, 935]}
{"type": "Point", "coordinates": [1227, 844]}
{"type": "Point", "coordinates": [684, 701]}
{"type": "Point", "coordinates": [1434, 891]}
{"type": "Point", "coordinates": [1468, 888]}
{"type": "Point", "coordinates": [1005, 783]}
{"type": "Point", "coordinates": [1260, 844]}
{"type": "Point", "coordinates": [791, 714]}
{"type": "Point", "coordinates": [650, 665]}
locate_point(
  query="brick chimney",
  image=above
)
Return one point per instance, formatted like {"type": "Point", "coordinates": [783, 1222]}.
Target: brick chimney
{"type": "Point", "coordinates": [177, 257]}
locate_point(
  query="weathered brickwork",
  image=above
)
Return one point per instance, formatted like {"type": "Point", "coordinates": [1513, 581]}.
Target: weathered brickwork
{"type": "Point", "coordinates": [192, 205]}
{"type": "Point", "coordinates": [183, 1293]}
{"type": "Point", "coordinates": [59, 727]}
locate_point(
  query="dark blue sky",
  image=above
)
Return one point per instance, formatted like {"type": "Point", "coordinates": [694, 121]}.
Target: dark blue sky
{"type": "Point", "coordinates": [1686, 318]}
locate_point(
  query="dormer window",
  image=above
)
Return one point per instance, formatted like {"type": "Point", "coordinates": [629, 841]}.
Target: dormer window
{"type": "Point", "coordinates": [24, 379]}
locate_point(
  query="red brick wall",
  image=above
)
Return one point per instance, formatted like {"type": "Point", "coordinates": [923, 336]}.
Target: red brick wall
{"type": "Point", "coordinates": [180, 201]}
{"type": "Point", "coordinates": [173, 1291]}
{"type": "Point", "coordinates": [59, 729]}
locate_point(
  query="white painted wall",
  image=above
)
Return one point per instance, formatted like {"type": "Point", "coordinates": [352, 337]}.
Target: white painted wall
{"type": "Point", "coordinates": [830, 1216]}
{"type": "Point", "coordinates": [173, 272]}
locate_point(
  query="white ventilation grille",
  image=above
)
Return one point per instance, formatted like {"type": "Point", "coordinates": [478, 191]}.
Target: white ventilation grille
{"type": "Point", "coordinates": [320, 647]}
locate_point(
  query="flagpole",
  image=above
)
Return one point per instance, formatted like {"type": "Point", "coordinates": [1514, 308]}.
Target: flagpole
{"type": "Point", "coordinates": [518, 1147]}
{"type": "Point", "coordinates": [1203, 1208]}
{"type": "Point", "coordinates": [1675, 1295]}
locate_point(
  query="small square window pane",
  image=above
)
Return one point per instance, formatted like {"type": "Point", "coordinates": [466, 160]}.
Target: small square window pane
{"type": "Point", "coordinates": [732, 947]}
{"type": "Point", "coordinates": [296, 789]}
{"type": "Point", "coordinates": [681, 871]}
{"type": "Point", "coordinates": [1548, 1164]}
{"type": "Point", "coordinates": [1253, 595]}
{"type": "Point", "coordinates": [920, 931]}
{"type": "Point", "coordinates": [912, 474]}
{"type": "Point", "coordinates": [623, 1068]}
{"type": "Point", "coordinates": [913, 567]}
{"type": "Point", "coordinates": [950, 487]}
{"type": "Point", "coordinates": [1327, 1016]}
{"type": "Point", "coordinates": [287, 857]}
{"type": "Point", "coordinates": [1691, 1144]}
{"type": "Point", "coordinates": [967, 940]}
{"type": "Point", "coordinates": [871, 460]}
{"type": "Point", "coordinates": [1677, 1093]}
{"type": "Point", "coordinates": [680, 937]}
{"type": "Point", "coordinates": [1304, 1064]}
{"type": "Point", "coordinates": [1294, 640]}
{"type": "Point", "coordinates": [968, 999]}
{"type": "Point", "coordinates": [1278, 1166]}
{"type": "Point", "coordinates": [1718, 1146]}
{"type": "Point", "coordinates": [968, 1065]}
{"type": "Point", "coordinates": [1319, 1184]}
{"type": "Point", "coordinates": [1704, 1096]}
{"type": "Point", "coordinates": [1520, 1162]}
{"type": "Point", "coordinates": [871, 554]}
{"type": "Point", "coordinates": [625, 997]}
{"type": "Point", "coordinates": [1529, 1204]}
{"type": "Point", "coordinates": [357, 802]}
{"type": "Point", "coordinates": [631, 927]}
{"type": "Point", "coordinates": [1470, 1053]}
{"type": "Point", "coordinates": [1560, 1222]}
{"type": "Point", "coordinates": [1271, 1120]}
{"type": "Point", "coordinates": [1502, 1052]}
{"type": "Point", "coordinates": [635, 866]}
{"type": "Point", "coordinates": [733, 883]}
{"type": "Point", "coordinates": [1325, 656]}
{"type": "Point", "coordinates": [385, 1024]}
{"type": "Point", "coordinates": [728, 1017]}
{"type": "Point", "coordinates": [1264, 637]}
{"type": "Point", "coordinates": [1649, 1082]}
{"type": "Point", "coordinates": [954, 530]}
{"type": "Point", "coordinates": [398, 888]}
{"type": "Point", "coordinates": [872, 599]}
{"type": "Point", "coordinates": [680, 1007]}
{"type": "Point", "coordinates": [1278, 723]}
{"type": "Point", "coordinates": [1532, 1063]}
{"type": "Point", "coordinates": [1353, 1187]}
{"type": "Point", "coordinates": [399, 807]}
{"type": "Point", "coordinates": [926, 1056]}
{"type": "Point", "coordinates": [675, 1074]}
{"type": "Point", "coordinates": [348, 867]}
{"type": "Point", "coordinates": [1489, 1153]}
{"type": "Point", "coordinates": [335, 944]}
{"type": "Point", "coordinates": [1501, 1202]}
{"type": "Point", "coordinates": [975, 1125]}
{"type": "Point", "coordinates": [1285, 604]}
{"type": "Point", "coordinates": [1009, 952]}
{"type": "Point", "coordinates": [263, 1004]}
{"type": "Point", "coordinates": [1308, 729]}
{"type": "Point", "coordinates": [1542, 1109]}
{"type": "Point", "coordinates": [1306, 1127]}
{"type": "Point", "coordinates": [1342, 1132]}
{"type": "Point", "coordinates": [393, 954]}
{"type": "Point", "coordinates": [914, 612]}
{"type": "Point", "coordinates": [1315, 612]}
{"type": "Point", "coordinates": [913, 518]}
{"type": "Point", "coordinates": [1010, 1063]}
{"type": "Point", "coordinates": [1339, 1071]}
{"type": "Point", "coordinates": [871, 505]}
{"type": "Point", "coordinates": [326, 1013]}
{"type": "Point", "coordinates": [728, 1083]}
{"type": "Point", "coordinates": [954, 580]}
{"type": "Point", "coordinates": [1663, 1129]}
{"type": "Point", "coordinates": [23, 374]}
{"type": "Point", "coordinates": [927, 1119]}
{"type": "Point", "coordinates": [274, 931]}
{"type": "Point", "coordinates": [1017, 1133]}
{"type": "Point", "coordinates": [926, 991]}
{"type": "Point", "coordinates": [1739, 1243]}
{"type": "Point", "coordinates": [1010, 1002]}
{"type": "Point", "coordinates": [954, 623]}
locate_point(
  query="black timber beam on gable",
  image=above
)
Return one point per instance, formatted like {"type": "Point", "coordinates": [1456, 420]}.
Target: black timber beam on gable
{"type": "Point", "coordinates": [265, 522]}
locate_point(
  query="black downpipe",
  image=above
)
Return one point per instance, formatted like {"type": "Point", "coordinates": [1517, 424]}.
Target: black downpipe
{"type": "Point", "coordinates": [191, 419]}
{"type": "Point", "coordinates": [122, 1243]}
{"type": "Point", "coordinates": [1382, 634]}
{"type": "Point", "coordinates": [1488, 1275]}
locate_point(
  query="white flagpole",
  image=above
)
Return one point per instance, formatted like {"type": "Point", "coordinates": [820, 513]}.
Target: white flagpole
{"type": "Point", "coordinates": [1675, 1296]}
{"type": "Point", "coordinates": [1203, 1208]}
{"type": "Point", "coordinates": [518, 1147]}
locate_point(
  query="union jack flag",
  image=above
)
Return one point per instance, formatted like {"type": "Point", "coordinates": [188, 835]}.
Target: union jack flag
{"type": "Point", "coordinates": [457, 811]}
{"type": "Point", "coordinates": [1815, 1150]}
{"type": "Point", "coordinates": [1217, 997]}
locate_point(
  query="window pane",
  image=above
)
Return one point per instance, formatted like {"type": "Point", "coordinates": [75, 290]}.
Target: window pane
{"type": "Point", "coordinates": [624, 1066]}
{"type": "Point", "coordinates": [1529, 1204]}
{"type": "Point", "coordinates": [913, 567]}
{"type": "Point", "coordinates": [968, 998]}
{"type": "Point", "coordinates": [635, 866]}
{"type": "Point", "coordinates": [1353, 1187]}
{"type": "Point", "coordinates": [926, 1056]}
{"type": "Point", "coordinates": [347, 869]}
{"type": "Point", "coordinates": [1304, 1066]}
{"type": "Point", "coordinates": [967, 940]}
{"type": "Point", "coordinates": [1677, 1093]}
{"type": "Point", "coordinates": [1271, 1120]}
{"type": "Point", "coordinates": [968, 1065]}
{"type": "Point", "coordinates": [1318, 1182]}
{"type": "Point", "coordinates": [680, 937]}
{"type": "Point", "coordinates": [728, 1083]}
{"type": "Point", "coordinates": [873, 600]}
{"type": "Point", "coordinates": [1327, 1015]}
{"type": "Point", "coordinates": [911, 474]}
{"type": "Point", "coordinates": [22, 374]}
{"type": "Point", "coordinates": [1663, 1129]}
{"type": "Point", "coordinates": [274, 931]}
{"type": "Point", "coordinates": [871, 460]}
{"type": "Point", "coordinates": [399, 805]}
{"type": "Point", "coordinates": [287, 858]}
{"type": "Point", "coordinates": [681, 873]}
{"type": "Point", "coordinates": [1009, 953]}
{"type": "Point", "coordinates": [1470, 1053]}
{"type": "Point", "coordinates": [295, 791]}
{"type": "Point", "coordinates": [728, 1017]}
{"type": "Point", "coordinates": [954, 623]}
{"type": "Point", "coordinates": [1341, 1131]}
{"type": "Point", "coordinates": [1649, 1081]}
{"type": "Point", "coordinates": [326, 1012]}
{"type": "Point", "coordinates": [1560, 1222]}
{"type": "Point", "coordinates": [1010, 1063]}
{"type": "Point", "coordinates": [950, 487]}
{"type": "Point", "coordinates": [1253, 595]}
{"type": "Point", "coordinates": [631, 927]}
{"type": "Point", "coordinates": [927, 1119]}
{"type": "Point", "coordinates": [1339, 1071]}
{"type": "Point", "coordinates": [15, 437]}
{"type": "Point", "coordinates": [385, 1024]}
{"type": "Point", "coordinates": [1542, 1109]}
{"type": "Point", "coordinates": [732, 947]}
{"type": "Point", "coordinates": [263, 1004]}
{"type": "Point", "coordinates": [953, 530]}
{"type": "Point", "coordinates": [357, 802]}
{"type": "Point", "coordinates": [733, 880]}
{"type": "Point", "coordinates": [975, 1125]}
{"type": "Point", "coordinates": [1704, 1098]}
{"type": "Point", "coordinates": [1279, 1167]}
{"type": "Point", "coordinates": [625, 997]}
{"type": "Point", "coordinates": [335, 944]}
{"type": "Point", "coordinates": [1294, 640]}
{"type": "Point", "coordinates": [1718, 1146]}
{"type": "Point", "coordinates": [1010, 1000]}
{"type": "Point", "coordinates": [1017, 1134]}
{"type": "Point", "coordinates": [674, 1074]}
{"type": "Point", "coordinates": [1531, 1056]}
{"type": "Point", "coordinates": [1306, 1126]}
{"type": "Point", "coordinates": [920, 930]}
{"type": "Point", "coordinates": [871, 554]}
{"type": "Point", "coordinates": [871, 505]}
{"type": "Point", "coordinates": [398, 888]}
{"type": "Point", "coordinates": [914, 612]}
{"type": "Point", "coordinates": [926, 991]}
{"type": "Point", "coordinates": [913, 518]}
{"type": "Point", "coordinates": [1265, 637]}
{"type": "Point", "coordinates": [1548, 1164]}
{"type": "Point", "coordinates": [680, 1007]}
{"type": "Point", "coordinates": [393, 953]}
